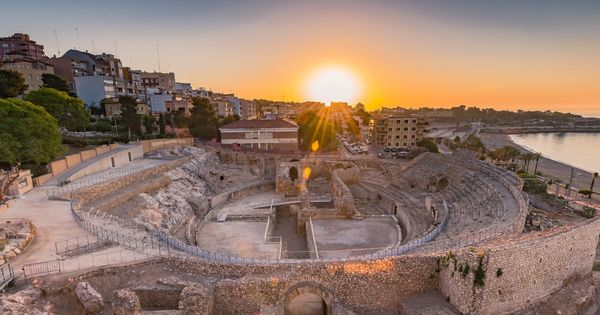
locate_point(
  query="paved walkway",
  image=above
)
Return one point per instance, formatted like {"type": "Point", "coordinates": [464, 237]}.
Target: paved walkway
{"type": "Point", "coordinates": [52, 219]}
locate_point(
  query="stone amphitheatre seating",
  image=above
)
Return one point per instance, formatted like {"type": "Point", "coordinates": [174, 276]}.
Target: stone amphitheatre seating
{"type": "Point", "coordinates": [477, 195]}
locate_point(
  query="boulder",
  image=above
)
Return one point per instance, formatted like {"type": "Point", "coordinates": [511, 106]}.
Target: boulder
{"type": "Point", "coordinates": [126, 302]}
{"type": "Point", "coordinates": [91, 300]}
{"type": "Point", "coordinates": [20, 302]}
{"type": "Point", "coordinates": [196, 299]}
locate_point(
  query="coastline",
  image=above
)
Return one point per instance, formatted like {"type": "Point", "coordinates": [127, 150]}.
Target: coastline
{"type": "Point", "coordinates": [548, 167]}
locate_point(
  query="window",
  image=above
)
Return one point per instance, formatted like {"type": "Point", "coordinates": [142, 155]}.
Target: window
{"type": "Point", "coordinates": [397, 137]}
{"type": "Point", "coordinates": [389, 129]}
{"type": "Point", "coordinates": [414, 121]}
{"type": "Point", "coordinates": [405, 128]}
{"type": "Point", "coordinates": [412, 143]}
{"type": "Point", "coordinates": [389, 144]}
{"type": "Point", "coordinates": [404, 144]}
{"type": "Point", "coordinates": [397, 144]}
{"type": "Point", "coordinates": [412, 136]}
{"type": "Point", "coordinates": [413, 128]}
{"type": "Point", "coordinates": [406, 121]}
{"type": "Point", "coordinates": [397, 129]}
{"type": "Point", "coordinates": [405, 136]}
{"type": "Point", "coordinates": [398, 121]}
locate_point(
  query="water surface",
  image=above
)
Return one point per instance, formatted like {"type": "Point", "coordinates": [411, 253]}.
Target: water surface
{"type": "Point", "coordinates": [581, 150]}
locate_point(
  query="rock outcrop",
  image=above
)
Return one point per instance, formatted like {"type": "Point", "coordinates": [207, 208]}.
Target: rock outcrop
{"type": "Point", "coordinates": [126, 302]}
{"type": "Point", "coordinates": [92, 301]}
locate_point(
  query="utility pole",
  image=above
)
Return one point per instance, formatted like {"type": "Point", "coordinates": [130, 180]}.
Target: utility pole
{"type": "Point", "coordinates": [56, 39]}
{"type": "Point", "coordinates": [570, 182]}
{"type": "Point", "coordinates": [158, 56]}
{"type": "Point", "coordinates": [77, 34]}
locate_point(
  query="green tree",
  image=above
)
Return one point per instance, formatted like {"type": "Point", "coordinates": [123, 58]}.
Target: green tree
{"type": "Point", "coordinates": [315, 127]}
{"type": "Point", "coordinates": [203, 120]}
{"type": "Point", "coordinates": [593, 182]}
{"type": "Point", "coordinates": [55, 82]}
{"type": "Point", "coordinates": [161, 125]}
{"type": "Point", "coordinates": [228, 119]}
{"type": "Point", "coordinates": [129, 116]}
{"type": "Point", "coordinates": [68, 111]}
{"type": "Point", "coordinates": [148, 121]}
{"type": "Point", "coordinates": [429, 145]}
{"type": "Point", "coordinates": [27, 133]}
{"type": "Point", "coordinates": [12, 84]}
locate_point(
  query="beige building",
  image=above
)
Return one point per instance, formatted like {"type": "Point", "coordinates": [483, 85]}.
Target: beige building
{"type": "Point", "coordinates": [398, 131]}
{"type": "Point", "coordinates": [267, 135]}
{"type": "Point", "coordinates": [159, 80]}
{"type": "Point", "coordinates": [222, 107]}
{"type": "Point", "coordinates": [29, 68]}
{"type": "Point", "coordinates": [113, 108]}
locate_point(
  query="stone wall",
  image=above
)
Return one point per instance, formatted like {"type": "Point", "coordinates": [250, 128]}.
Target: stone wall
{"type": "Point", "coordinates": [87, 194]}
{"type": "Point", "coordinates": [521, 272]}
{"type": "Point", "coordinates": [343, 200]}
{"type": "Point", "coordinates": [364, 285]}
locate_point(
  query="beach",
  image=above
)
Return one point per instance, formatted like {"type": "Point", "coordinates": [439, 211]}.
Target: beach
{"type": "Point", "coordinates": [548, 167]}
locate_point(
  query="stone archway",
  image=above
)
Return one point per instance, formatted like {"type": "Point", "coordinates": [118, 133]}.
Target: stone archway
{"type": "Point", "coordinates": [293, 173]}
{"type": "Point", "coordinates": [308, 298]}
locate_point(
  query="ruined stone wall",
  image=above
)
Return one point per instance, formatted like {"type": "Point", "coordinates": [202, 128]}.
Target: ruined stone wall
{"type": "Point", "coordinates": [87, 194]}
{"type": "Point", "coordinates": [520, 272]}
{"type": "Point", "coordinates": [343, 200]}
{"type": "Point", "coordinates": [364, 285]}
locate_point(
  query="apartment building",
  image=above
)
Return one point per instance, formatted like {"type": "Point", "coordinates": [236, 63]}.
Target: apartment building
{"type": "Point", "coordinates": [30, 68]}
{"type": "Point", "coordinates": [159, 80]}
{"type": "Point", "coordinates": [267, 135]}
{"type": "Point", "coordinates": [22, 44]}
{"type": "Point", "coordinates": [396, 131]}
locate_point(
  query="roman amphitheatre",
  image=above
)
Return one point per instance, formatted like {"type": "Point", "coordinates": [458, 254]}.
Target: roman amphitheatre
{"type": "Point", "coordinates": [177, 228]}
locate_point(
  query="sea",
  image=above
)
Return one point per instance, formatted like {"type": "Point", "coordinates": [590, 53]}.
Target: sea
{"type": "Point", "coordinates": [578, 149]}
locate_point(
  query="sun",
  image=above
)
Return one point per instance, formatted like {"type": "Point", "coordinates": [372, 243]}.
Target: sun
{"type": "Point", "coordinates": [333, 84]}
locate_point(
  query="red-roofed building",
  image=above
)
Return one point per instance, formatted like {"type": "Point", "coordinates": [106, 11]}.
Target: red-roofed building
{"type": "Point", "coordinates": [267, 135]}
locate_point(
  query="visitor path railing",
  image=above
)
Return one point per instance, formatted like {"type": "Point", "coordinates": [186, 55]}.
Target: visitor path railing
{"type": "Point", "coordinates": [6, 275]}
{"type": "Point", "coordinates": [152, 242]}
{"type": "Point", "coordinates": [63, 190]}
{"type": "Point", "coordinates": [43, 267]}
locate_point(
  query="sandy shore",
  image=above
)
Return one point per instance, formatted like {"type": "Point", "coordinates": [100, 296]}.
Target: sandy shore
{"type": "Point", "coordinates": [548, 167]}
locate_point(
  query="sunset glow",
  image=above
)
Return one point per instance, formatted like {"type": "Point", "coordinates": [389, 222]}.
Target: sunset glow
{"type": "Point", "coordinates": [333, 84]}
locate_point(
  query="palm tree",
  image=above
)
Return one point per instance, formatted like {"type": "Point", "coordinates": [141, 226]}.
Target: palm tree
{"type": "Point", "coordinates": [537, 157]}
{"type": "Point", "coordinates": [592, 185]}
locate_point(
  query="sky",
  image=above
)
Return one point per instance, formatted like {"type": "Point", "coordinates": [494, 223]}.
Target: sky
{"type": "Point", "coordinates": [510, 54]}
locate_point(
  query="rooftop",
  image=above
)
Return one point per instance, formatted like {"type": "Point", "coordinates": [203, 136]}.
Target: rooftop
{"type": "Point", "coordinates": [275, 123]}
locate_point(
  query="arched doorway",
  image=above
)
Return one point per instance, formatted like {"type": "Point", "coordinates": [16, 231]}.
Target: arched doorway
{"type": "Point", "coordinates": [306, 304]}
{"type": "Point", "coordinates": [308, 299]}
{"type": "Point", "coordinates": [293, 173]}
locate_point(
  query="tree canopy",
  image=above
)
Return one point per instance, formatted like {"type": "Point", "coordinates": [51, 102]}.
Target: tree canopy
{"type": "Point", "coordinates": [129, 115]}
{"type": "Point", "coordinates": [429, 145]}
{"type": "Point", "coordinates": [55, 82]}
{"type": "Point", "coordinates": [203, 121]}
{"type": "Point", "coordinates": [315, 127]}
{"type": "Point", "coordinates": [12, 84]}
{"type": "Point", "coordinates": [68, 111]}
{"type": "Point", "coordinates": [27, 133]}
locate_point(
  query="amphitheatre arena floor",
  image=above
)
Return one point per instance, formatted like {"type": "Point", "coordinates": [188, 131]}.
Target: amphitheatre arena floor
{"type": "Point", "coordinates": [245, 239]}
{"type": "Point", "coordinates": [338, 238]}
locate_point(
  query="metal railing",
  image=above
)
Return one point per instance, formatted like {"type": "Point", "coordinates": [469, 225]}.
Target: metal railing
{"type": "Point", "coordinates": [7, 275]}
{"type": "Point", "coordinates": [152, 244]}
{"type": "Point", "coordinates": [64, 191]}
{"type": "Point", "coordinates": [43, 267]}
{"type": "Point", "coordinates": [79, 245]}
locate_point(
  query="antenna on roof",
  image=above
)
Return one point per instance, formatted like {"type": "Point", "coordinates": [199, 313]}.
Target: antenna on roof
{"type": "Point", "coordinates": [77, 34]}
{"type": "Point", "coordinates": [56, 39]}
{"type": "Point", "coordinates": [115, 45]}
{"type": "Point", "coordinates": [158, 56]}
{"type": "Point", "coordinates": [93, 47]}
